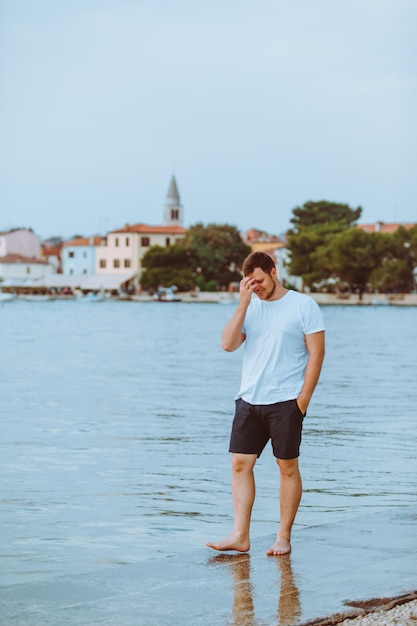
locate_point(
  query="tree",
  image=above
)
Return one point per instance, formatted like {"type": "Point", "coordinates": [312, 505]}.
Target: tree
{"type": "Point", "coordinates": [324, 212]}
{"type": "Point", "coordinates": [308, 250]}
{"type": "Point", "coordinates": [393, 275]}
{"type": "Point", "coordinates": [398, 258]}
{"type": "Point", "coordinates": [217, 252]}
{"type": "Point", "coordinates": [167, 266]}
{"type": "Point", "coordinates": [354, 254]}
{"type": "Point", "coordinates": [315, 225]}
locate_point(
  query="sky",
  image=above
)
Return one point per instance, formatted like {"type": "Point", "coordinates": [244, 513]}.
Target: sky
{"type": "Point", "coordinates": [256, 107]}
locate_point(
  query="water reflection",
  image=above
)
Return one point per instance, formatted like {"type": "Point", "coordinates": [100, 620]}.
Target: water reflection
{"type": "Point", "coordinates": [243, 606]}
{"type": "Point", "coordinates": [289, 605]}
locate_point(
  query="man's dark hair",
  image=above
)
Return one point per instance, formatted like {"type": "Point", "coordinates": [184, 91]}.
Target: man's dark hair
{"type": "Point", "coordinates": [258, 259]}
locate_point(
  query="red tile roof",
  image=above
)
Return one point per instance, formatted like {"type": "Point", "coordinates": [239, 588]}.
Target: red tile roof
{"type": "Point", "coordinates": [254, 235]}
{"type": "Point", "coordinates": [84, 241]}
{"type": "Point", "coordinates": [47, 251]}
{"type": "Point", "coordinates": [19, 258]}
{"type": "Point", "coordinates": [146, 229]}
{"type": "Point", "coordinates": [381, 227]}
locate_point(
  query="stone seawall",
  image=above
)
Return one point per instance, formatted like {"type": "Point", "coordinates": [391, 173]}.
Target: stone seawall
{"type": "Point", "coordinates": [400, 299]}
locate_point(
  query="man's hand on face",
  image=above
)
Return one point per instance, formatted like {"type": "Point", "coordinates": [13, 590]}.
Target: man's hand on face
{"type": "Point", "coordinates": [247, 286]}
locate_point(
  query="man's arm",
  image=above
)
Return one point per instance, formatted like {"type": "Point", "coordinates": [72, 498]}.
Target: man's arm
{"type": "Point", "coordinates": [316, 349]}
{"type": "Point", "coordinates": [233, 335]}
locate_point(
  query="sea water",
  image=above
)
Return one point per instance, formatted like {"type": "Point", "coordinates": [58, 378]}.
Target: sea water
{"type": "Point", "coordinates": [115, 420]}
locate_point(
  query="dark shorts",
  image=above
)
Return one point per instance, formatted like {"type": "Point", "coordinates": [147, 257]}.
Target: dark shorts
{"type": "Point", "coordinates": [254, 425]}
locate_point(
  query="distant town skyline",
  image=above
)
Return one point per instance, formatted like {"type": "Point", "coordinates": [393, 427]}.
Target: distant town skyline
{"type": "Point", "coordinates": [102, 102]}
{"type": "Point", "coordinates": [80, 233]}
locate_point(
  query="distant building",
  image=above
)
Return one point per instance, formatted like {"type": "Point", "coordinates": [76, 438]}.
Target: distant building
{"type": "Point", "coordinates": [124, 247]}
{"type": "Point", "coordinates": [79, 256]}
{"type": "Point", "coordinates": [52, 254]}
{"type": "Point", "coordinates": [261, 241]}
{"type": "Point", "coordinates": [16, 267]}
{"type": "Point", "coordinates": [21, 241]}
{"type": "Point", "coordinates": [173, 210]}
{"type": "Point", "coordinates": [382, 227]}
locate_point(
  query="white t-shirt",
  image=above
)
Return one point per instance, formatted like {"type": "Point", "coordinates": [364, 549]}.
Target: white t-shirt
{"type": "Point", "coordinates": [275, 353]}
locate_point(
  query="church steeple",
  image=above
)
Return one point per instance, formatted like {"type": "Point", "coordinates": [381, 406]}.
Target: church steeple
{"type": "Point", "coordinates": [173, 211]}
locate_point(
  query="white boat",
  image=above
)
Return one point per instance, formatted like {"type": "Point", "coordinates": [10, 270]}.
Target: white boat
{"type": "Point", "coordinates": [228, 299]}
{"type": "Point", "coordinates": [377, 302]}
{"type": "Point", "coordinates": [91, 297]}
{"type": "Point", "coordinates": [6, 297]}
{"type": "Point", "coordinates": [37, 297]}
{"type": "Point", "coordinates": [166, 294]}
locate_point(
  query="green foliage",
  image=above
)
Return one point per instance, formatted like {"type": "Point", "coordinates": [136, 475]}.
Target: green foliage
{"type": "Point", "coordinates": [353, 255]}
{"type": "Point", "coordinates": [315, 226]}
{"type": "Point", "coordinates": [397, 259]}
{"type": "Point", "coordinates": [218, 251]}
{"type": "Point", "coordinates": [212, 285]}
{"type": "Point", "coordinates": [165, 267]}
{"type": "Point", "coordinates": [326, 244]}
{"type": "Point", "coordinates": [393, 275]}
{"type": "Point", "coordinates": [312, 214]}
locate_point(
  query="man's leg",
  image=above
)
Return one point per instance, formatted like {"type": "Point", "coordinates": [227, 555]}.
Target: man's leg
{"type": "Point", "coordinates": [243, 499]}
{"type": "Point", "coordinates": [290, 497]}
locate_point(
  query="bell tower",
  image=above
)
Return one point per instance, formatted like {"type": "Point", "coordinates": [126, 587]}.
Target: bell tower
{"type": "Point", "coordinates": [173, 211]}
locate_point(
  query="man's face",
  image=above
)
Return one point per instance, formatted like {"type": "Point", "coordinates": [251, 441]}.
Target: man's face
{"type": "Point", "coordinates": [264, 284]}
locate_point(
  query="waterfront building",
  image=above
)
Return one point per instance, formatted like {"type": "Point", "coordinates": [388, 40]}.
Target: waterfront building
{"type": "Point", "coordinates": [21, 241]}
{"type": "Point", "coordinates": [261, 241]}
{"type": "Point", "coordinates": [52, 254]}
{"type": "Point", "coordinates": [80, 256]}
{"type": "Point", "coordinates": [123, 248]}
{"type": "Point", "coordinates": [18, 268]}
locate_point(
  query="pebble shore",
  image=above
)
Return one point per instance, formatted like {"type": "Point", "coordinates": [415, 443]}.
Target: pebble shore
{"type": "Point", "coordinates": [395, 611]}
{"type": "Point", "coordinates": [400, 615]}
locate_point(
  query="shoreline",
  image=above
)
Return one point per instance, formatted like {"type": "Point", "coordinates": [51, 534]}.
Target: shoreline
{"type": "Point", "coordinates": [228, 299]}
{"type": "Point", "coordinates": [368, 299]}
{"type": "Point", "coordinates": [225, 298]}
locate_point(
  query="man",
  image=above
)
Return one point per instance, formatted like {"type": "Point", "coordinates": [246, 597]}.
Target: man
{"type": "Point", "coordinates": [283, 333]}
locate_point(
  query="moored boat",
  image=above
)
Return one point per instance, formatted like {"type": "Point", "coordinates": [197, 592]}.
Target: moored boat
{"type": "Point", "coordinates": [91, 297]}
{"type": "Point", "coordinates": [37, 297]}
{"type": "Point", "coordinates": [166, 294]}
{"type": "Point", "coordinates": [6, 297]}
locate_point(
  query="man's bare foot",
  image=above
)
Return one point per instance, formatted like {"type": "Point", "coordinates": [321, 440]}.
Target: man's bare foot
{"type": "Point", "coordinates": [281, 546]}
{"type": "Point", "coordinates": [231, 543]}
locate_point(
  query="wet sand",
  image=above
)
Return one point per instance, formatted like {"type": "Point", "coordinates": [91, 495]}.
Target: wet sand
{"type": "Point", "coordinates": [333, 572]}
